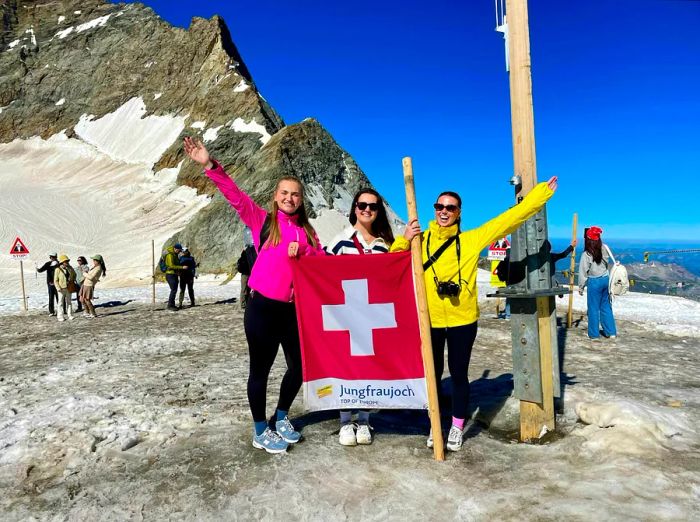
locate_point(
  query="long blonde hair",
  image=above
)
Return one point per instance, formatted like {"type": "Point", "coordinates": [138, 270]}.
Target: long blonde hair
{"type": "Point", "coordinates": [303, 220]}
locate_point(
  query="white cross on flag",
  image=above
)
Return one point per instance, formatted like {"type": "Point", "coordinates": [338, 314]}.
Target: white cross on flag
{"type": "Point", "coordinates": [358, 326]}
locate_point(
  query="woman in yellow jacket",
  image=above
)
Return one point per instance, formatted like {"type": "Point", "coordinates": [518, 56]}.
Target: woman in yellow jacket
{"type": "Point", "coordinates": [450, 281]}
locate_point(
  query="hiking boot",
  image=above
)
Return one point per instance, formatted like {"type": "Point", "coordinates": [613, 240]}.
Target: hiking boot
{"type": "Point", "coordinates": [454, 439]}
{"type": "Point", "coordinates": [270, 441]}
{"type": "Point", "coordinates": [364, 435]}
{"type": "Point", "coordinates": [287, 432]}
{"type": "Point", "coordinates": [429, 442]}
{"type": "Point", "coordinates": [347, 435]}
{"type": "Point", "coordinates": [594, 339]}
{"type": "Point", "coordinates": [172, 308]}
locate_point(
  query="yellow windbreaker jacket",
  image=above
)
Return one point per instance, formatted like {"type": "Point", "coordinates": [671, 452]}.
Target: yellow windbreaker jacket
{"type": "Point", "coordinates": [463, 309]}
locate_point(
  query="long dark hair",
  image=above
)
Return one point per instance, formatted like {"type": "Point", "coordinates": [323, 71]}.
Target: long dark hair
{"type": "Point", "coordinates": [302, 220]}
{"type": "Point", "coordinates": [594, 247]}
{"type": "Point", "coordinates": [380, 226]}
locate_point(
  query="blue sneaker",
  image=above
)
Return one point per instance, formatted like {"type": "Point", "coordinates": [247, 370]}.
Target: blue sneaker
{"type": "Point", "coordinates": [286, 431]}
{"type": "Point", "coordinates": [270, 441]}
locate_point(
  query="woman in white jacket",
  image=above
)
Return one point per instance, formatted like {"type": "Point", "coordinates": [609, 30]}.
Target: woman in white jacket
{"type": "Point", "coordinates": [370, 233]}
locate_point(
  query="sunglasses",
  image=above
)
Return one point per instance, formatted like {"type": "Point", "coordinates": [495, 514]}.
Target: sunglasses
{"type": "Point", "coordinates": [363, 205]}
{"type": "Point", "coordinates": [450, 208]}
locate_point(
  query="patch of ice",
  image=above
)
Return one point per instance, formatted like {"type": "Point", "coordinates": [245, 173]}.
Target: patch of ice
{"type": "Point", "coordinates": [12, 44]}
{"type": "Point", "coordinates": [64, 188]}
{"type": "Point", "coordinates": [314, 193]}
{"type": "Point", "coordinates": [211, 134]}
{"type": "Point", "coordinates": [199, 125]}
{"type": "Point", "coordinates": [6, 106]}
{"type": "Point", "coordinates": [61, 101]}
{"type": "Point", "coordinates": [128, 135]}
{"type": "Point", "coordinates": [32, 36]}
{"type": "Point", "coordinates": [61, 19]}
{"type": "Point", "coordinates": [328, 224]}
{"type": "Point", "coordinates": [627, 426]}
{"type": "Point", "coordinates": [242, 86]}
{"type": "Point", "coordinates": [77, 12]}
{"type": "Point", "coordinates": [240, 125]}
{"type": "Point", "coordinates": [97, 22]}
{"type": "Point", "coordinates": [64, 33]}
{"type": "Point", "coordinates": [157, 95]}
{"type": "Point", "coordinates": [342, 199]}
{"type": "Point", "coordinates": [149, 64]}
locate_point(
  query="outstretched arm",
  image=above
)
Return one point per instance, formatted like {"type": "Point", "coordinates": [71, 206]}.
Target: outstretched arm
{"type": "Point", "coordinates": [250, 212]}
{"type": "Point", "coordinates": [513, 218]}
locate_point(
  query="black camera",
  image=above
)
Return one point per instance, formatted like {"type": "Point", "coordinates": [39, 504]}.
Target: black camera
{"type": "Point", "coordinates": [447, 288]}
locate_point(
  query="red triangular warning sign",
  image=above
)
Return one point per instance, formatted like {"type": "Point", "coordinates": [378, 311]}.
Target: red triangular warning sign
{"type": "Point", "coordinates": [19, 248]}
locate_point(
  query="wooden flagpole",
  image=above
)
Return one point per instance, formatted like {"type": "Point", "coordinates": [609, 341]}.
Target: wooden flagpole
{"type": "Point", "coordinates": [423, 315]}
{"type": "Point", "coordinates": [569, 316]}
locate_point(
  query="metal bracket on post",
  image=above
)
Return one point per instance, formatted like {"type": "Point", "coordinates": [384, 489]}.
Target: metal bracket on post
{"type": "Point", "coordinates": [527, 381]}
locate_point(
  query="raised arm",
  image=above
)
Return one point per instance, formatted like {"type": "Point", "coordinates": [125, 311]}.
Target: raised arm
{"type": "Point", "coordinates": [250, 212]}
{"type": "Point", "coordinates": [510, 220]}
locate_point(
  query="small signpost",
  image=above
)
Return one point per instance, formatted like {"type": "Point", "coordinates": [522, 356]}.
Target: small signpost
{"type": "Point", "coordinates": [498, 250]}
{"type": "Point", "coordinates": [20, 251]}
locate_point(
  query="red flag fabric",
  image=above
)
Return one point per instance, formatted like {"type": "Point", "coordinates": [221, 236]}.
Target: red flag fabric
{"type": "Point", "coordinates": [359, 332]}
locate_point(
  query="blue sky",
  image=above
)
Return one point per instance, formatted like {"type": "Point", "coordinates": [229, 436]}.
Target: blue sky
{"type": "Point", "coordinates": [615, 88]}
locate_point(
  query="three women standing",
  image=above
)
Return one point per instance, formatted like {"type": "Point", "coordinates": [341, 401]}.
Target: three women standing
{"type": "Point", "coordinates": [270, 316]}
{"type": "Point", "coordinates": [450, 259]}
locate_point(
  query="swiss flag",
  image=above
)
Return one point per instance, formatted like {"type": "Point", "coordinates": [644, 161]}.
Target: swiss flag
{"type": "Point", "coordinates": [359, 332]}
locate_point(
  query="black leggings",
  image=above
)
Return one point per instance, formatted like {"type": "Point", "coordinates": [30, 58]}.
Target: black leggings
{"type": "Point", "coordinates": [269, 323]}
{"type": "Point", "coordinates": [460, 340]}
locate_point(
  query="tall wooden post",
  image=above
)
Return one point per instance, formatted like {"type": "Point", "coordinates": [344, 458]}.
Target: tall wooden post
{"type": "Point", "coordinates": [423, 316]}
{"type": "Point", "coordinates": [570, 313]}
{"type": "Point", "coordinates": [153, 272]}
{"type": "Point", "coordinates": [535, 418]}
{"type": "Point", "coordinates": [24, 293]}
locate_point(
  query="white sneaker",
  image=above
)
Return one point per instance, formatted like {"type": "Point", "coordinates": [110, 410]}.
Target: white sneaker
{"type": "Point", "coordinates": [429, 442]}
{"type": "Point", "coordinates": [347, 435]}
{"type": "Point", "coordinates": [70, 317]}
{"type": "Point", "coordinates": [61, 319]}
{"type": "Point", "coordinates": [454, 439]}
{"type": "Point", "coordinates": [364, 435]}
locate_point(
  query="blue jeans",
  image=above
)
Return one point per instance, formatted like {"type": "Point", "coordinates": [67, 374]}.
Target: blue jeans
{"type": "Point", "coordinates": [600, 314]}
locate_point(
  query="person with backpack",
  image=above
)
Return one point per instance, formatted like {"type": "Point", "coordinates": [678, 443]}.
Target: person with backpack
{"type": "Point", "coordinates": [504, 273]}
{"type": "Point", "coordinates": [64, 283]}
{"type": "Point", "coordinates": [50, 267]}
{"type": "Point", "coordinates": [245, 266]}
{"type": "Point", "coordinates": [187, 276]}
{"type": "Point", "coordinates": [170, 264]}
{"type": "Point", "coordinates": [87, 290]}
{"type": "Point", "coordinates": [369, 233]}
{"type": "Point", "coordinates": [450, 259]}
{"type": "Point", "coordinates": [593, 273]}
{"type": "Point", "coordinates": [281, 236]}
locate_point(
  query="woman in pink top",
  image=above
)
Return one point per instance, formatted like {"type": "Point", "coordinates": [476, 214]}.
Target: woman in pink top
{"type": "Point", "coordinates": [270, 317]}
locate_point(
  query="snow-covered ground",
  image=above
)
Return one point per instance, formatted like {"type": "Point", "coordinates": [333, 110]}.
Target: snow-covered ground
{"type": "Point", "coordinates": [142, 414]}
{"type": "Point", "coordinates": [93, 195]}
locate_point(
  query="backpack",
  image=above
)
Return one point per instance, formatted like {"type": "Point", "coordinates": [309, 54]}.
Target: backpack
{"type": "Point", "coordinates": [619, 282]}
{"type": "Point", "coordinates": [162, 265]}
{"type": "Point", "coordinates": [245, 263]}
{"type": "Point", "coordinates": [502, 270]}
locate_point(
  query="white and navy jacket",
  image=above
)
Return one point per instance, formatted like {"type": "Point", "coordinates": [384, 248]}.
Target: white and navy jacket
{"type": "Point", "coordinates": [343, 244]}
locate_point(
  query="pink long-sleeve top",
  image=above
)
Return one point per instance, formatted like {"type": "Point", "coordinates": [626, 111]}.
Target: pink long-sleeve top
{"type": "Point", "coordinates": [272, 272]}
